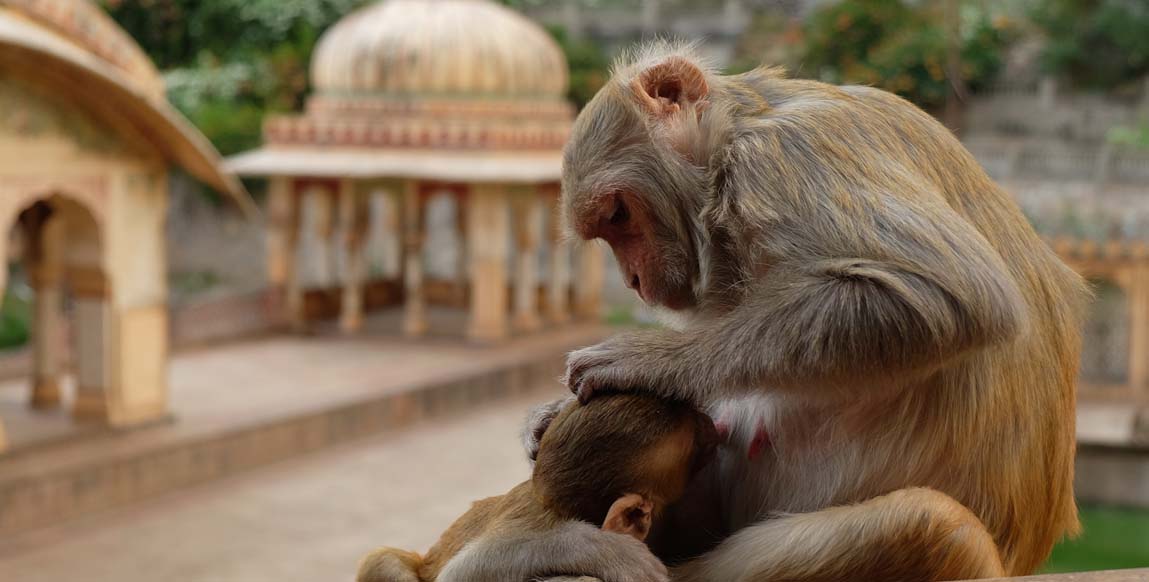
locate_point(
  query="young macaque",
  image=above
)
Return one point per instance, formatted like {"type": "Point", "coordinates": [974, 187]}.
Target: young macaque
{"type": "Point", "coordinates": [613, 464]}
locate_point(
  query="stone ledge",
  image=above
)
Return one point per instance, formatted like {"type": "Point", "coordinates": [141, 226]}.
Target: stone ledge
{"type": "Point", "coordinates": [128, 467]}
{"type": "Point", "coordinates": [1138, 575]}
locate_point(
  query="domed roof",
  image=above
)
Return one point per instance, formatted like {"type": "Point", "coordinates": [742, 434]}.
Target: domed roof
{"type": "Point", "coordinates": [442, 48]}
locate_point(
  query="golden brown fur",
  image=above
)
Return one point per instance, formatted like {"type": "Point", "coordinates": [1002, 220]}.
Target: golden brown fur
{"type": "Point", "coordinates": [590, 458]}
{"type": "Point", "coordinates": [853, 285]}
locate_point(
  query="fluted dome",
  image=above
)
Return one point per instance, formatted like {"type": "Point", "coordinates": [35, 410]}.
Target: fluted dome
{"type": "Point", "coordinates": [449, 90]}
{"type": "Point", "coordinates": [439, 48]}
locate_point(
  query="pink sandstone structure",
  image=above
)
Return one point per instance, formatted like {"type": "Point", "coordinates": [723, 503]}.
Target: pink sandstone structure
{"type": "Point", "coordinates": [86, 142]}
{"type": "Point", "coordinates": [416, 99]}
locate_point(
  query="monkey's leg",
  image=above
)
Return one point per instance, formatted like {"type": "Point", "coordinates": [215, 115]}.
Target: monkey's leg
{"type": "Point", "coordinates": [390, 565]}
{"type": "Point", "coordinates": [911, 535]}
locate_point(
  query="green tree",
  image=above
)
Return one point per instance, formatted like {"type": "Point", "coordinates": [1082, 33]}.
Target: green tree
{"type": "Point", "coordinates": [229, 62]}
{"type": "Point", "coordinates": [899, 46]}
{"type": "Point", "coordinates": [1095, 43]}
{"type": "Point", "coordinates": [589, 67]}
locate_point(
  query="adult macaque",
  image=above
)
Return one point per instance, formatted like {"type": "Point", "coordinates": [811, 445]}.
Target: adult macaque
{"type": "Point", "coordinates": [603, 475]}
{"type": "Point", "coordinates": [862, 308]}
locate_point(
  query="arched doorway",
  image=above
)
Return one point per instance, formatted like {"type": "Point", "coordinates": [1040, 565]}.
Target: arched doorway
{"type": "Point", "coordinates": [57, 266]}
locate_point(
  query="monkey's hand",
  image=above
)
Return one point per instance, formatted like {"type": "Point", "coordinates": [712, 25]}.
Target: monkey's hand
{"type": "Point", "coordinates": [538, 421]}
{"type": "Point", "coordinates": [648, 360]}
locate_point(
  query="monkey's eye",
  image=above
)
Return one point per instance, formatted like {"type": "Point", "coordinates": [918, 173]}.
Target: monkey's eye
{"type": "Point", "coordinates": [620, 215]}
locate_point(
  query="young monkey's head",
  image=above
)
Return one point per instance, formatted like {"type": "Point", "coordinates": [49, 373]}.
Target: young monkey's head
{"type": "Point", "coordinates": [618, 460]}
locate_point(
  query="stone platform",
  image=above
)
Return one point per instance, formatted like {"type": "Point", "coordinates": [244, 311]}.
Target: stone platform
{"type": "Point", "coordinates": [249, 404]}
{"type": "Point", "coordinates": [307, 519]}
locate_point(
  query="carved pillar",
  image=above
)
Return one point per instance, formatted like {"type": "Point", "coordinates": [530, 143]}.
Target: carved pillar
{"type": "Point", "coordinates": [528, 209]}
{"type": "Point", "coordinates": [415, 234]}
{"type": "Point", "coordinates": [292, 221]}
{"type": "Point", "coordinates": [283, 249]}
{"type": "Point", "coordinates": [92, 317]}
{"type": "Point", "coordinates": [463, 260]}
{"type": "Point", "coordinates": [589, 282]}
{"type": "Point", "coordinates": [353, 215]}
{"type": "Point", "coordinates": [558, 282]}
{"type": "Point", "coordinates": [488, 232]}
{"type": "Point", "coordinates": [1139, 330]}
{"type": "Point", "coordinates": [46, 277]}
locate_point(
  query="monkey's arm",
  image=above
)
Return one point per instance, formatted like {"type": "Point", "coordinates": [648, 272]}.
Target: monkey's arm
{"type": "Point", "coordinates": [911, 534]}
{"type": "Point", "coordinates": [571, 549]}
{"type": "Point", "coordinates": [875, 304]}
{"type": "Point", "coordinates": [390, 565]}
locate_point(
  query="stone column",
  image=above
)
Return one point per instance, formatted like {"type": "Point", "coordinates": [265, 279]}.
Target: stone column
{"type": "Point", "coordinates": [589, 282]}
{"type": "Point", "coordinates": [558, 283]}
{"type": "Point", "coordinates": [46, 274]}
{"type": "Point", "coordinates": [528, 209]}
{"type": "Point", "coordinates": [462, 267]}
{"type": "Point", "coordinates": [1139, 330]}
{"type": "Point", "coordinates": [488, 232]}
{"type": "Point", "coordinates": [353, 215]}
{"type": "Point", "coordinates": [415, 234]}
{"type": "Point", "coordinates": [92, 317]}
{"type": "Point", "coordinates": [283, 249]}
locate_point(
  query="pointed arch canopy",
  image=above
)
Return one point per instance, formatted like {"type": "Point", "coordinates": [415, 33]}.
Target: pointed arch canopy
{"type": "Point", "coordinates": [39, 55]}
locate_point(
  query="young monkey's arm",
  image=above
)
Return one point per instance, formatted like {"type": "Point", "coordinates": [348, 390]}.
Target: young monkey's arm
{"type": "Point", "coordinates": [571, 549]}
{"type": "Point", "coordinates": [390, 565]}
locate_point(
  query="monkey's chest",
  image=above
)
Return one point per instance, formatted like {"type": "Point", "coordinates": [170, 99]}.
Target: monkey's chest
{"type": "Point", "coordinates": [781, 457]}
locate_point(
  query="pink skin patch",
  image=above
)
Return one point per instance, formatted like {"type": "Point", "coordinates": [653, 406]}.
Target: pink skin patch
{"type": "Point", "coordinates": [759, 443]}
{"type": "Point", "coordinates": [723, 429]}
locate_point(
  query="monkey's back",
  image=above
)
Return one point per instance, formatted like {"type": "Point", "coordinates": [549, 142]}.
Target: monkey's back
{"type": "Point", "coordinates": [1024, 393]}
{"type": "Point", "coordinates": [1002, 417]}
{"type": "Point", "coordinates": [482, 515]}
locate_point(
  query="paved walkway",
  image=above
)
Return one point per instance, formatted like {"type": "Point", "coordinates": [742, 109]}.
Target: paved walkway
{"type": "Point", "coordinates": [308, 520]}
{"type": "Point", "coordinates": [246, 383]}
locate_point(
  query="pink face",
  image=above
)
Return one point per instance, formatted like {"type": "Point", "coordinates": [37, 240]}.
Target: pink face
{"type": "Point", "coordinates": [624, 223]}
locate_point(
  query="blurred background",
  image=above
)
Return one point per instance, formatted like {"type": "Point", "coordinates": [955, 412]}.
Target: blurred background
{"type": "Point", "coordinates": [387, 286]}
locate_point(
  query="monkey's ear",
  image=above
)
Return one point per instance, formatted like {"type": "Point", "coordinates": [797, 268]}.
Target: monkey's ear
{"type": "Point", "coordinates": [668, 87]}
{"type": "Point", "coordinates": [630, 515]}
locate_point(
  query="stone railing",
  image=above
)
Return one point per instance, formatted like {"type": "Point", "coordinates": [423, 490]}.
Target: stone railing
{"type": "Point", "coordinates": [1139, 575]}
{"type": "Point", "coordinates": [1006, 159]}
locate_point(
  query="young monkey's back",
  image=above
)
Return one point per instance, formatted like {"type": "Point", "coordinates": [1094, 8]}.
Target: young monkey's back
{"type": "Point", "coordinates": [518, 508]}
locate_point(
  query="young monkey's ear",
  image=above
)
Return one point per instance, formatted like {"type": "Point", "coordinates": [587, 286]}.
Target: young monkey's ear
{"type": "Point", "coordinates": [670, 86]}
{"type": "Point", "coordinates": [630, 515]}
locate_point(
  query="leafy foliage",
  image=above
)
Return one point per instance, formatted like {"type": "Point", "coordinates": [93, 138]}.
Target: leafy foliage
{"type": "Point", "coordinates": [15, 316]}
{"type": "Point", "coordinates": [229, 62]}
{"type": "Point", "coordinates": [1135, 136]}
{"type": "Point", "coordinates": [899, 46]}
{"type": "Point", "coordinates": [589, 68]}
{"type": "Point", "coordinates": [1095, 43]}
{"type": "Point", "coordinates": [1113, 537]}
